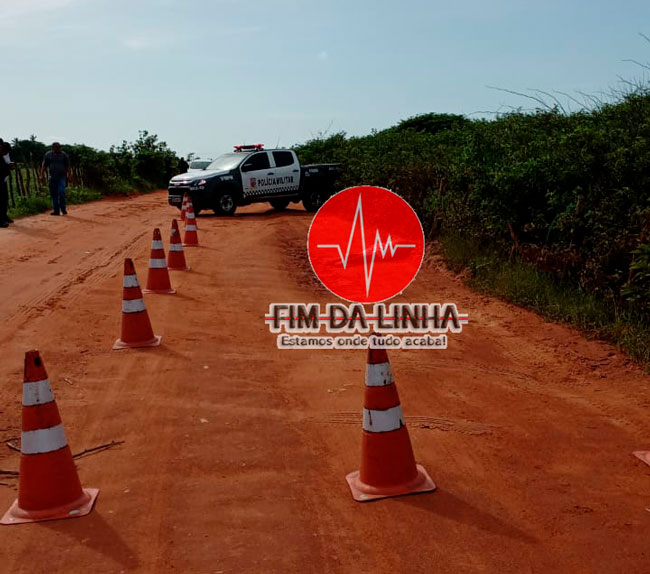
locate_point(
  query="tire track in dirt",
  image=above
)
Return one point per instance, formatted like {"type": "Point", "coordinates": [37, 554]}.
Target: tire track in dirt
{"type": "Point", "coordinates": [88, 265]}
{"type": "Point", "coordinates": [85, 275]}
{"type": "Point", "coordinates": [580, 368]}
{"type": "Point", "coordinates": [423, 422]}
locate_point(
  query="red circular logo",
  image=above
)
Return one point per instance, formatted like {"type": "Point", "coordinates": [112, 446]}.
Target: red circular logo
{"type": "Point", "coordinates": [366, 244]}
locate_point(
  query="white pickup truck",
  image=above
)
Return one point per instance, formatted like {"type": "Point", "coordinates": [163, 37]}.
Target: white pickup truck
{"type": "Point", "coordinates": [251, 174]}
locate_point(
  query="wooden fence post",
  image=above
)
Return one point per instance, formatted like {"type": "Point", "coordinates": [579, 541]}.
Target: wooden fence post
{"type": "Point", "coordinates": [22, 182]}
{"type": "Point", "coordinates": [18, 190]}
{"type": "Point", "coordinates": [11, 191]}
{"type": "Point", "coordinates": [28, 180]}
{"type": "Point", "coordinates": [37, 178]}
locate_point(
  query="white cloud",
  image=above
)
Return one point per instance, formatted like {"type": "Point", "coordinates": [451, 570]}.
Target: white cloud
{"type": "Point", "coordinates": [13, 9]}
{"type": "Point", "coordinates": [15, 15]}
{"type": "Point", "coordinates": [142, 42]}
{"type": "Point", "coordinates": [152, 40]}
{"type": "Point", "coordinates": [236, 31]}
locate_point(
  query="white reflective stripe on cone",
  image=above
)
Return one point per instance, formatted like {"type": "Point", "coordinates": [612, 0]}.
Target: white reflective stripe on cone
{"type": "Point", "coordinates": [176, 247]}
{"type": "Point", "coordinates": [131, 281]}
{"type": "Point", "coordinates": [379, 375]}
{"type": "Point", "coordinates": [133, 306]}
{"type": "Point", "coordinates": [157, 244]}
{"type": "Point", "coordinates": [383, 421]}
{"type": "Point", "coordinates": [37, 393]}
{"type": "Point", "coordinates": [43, 440]}
{"type": "Point", "coordinates": [157, 263]}
{"type": "Point", "coordinates": [190, 228]}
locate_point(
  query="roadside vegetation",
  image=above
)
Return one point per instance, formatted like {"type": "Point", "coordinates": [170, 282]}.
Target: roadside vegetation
{"type": "Point", "coordinates": [548, 209]}
{"type": "Point", "coordinates": [137, 167]}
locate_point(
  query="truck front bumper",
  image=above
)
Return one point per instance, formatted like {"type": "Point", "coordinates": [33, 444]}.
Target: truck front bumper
{"type": "Point", "coordinates": [176, 193]}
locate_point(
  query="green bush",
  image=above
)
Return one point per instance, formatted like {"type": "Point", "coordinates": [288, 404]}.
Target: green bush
{"type": "Point", "coordinates": [137, 167]}
{"type": "Point", "coordinates": [567, 192]}
{"type": "Point", "coordinates": [566, 195]}
{"type": "Point", "coordinates": [637, 288]}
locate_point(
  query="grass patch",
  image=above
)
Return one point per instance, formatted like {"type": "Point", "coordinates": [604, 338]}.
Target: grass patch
{"type": "Point", "coordinates": [40, 202]}
{"type": "Point", "coordinates": [77, 195]}
{"type": "Point", "coordinates": [521, 283]}
{"type": "Point", "coordinates": [29, 206]}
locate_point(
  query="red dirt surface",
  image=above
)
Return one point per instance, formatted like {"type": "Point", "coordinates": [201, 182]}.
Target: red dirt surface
{"type": "Point", "coordinates": [235, 453]}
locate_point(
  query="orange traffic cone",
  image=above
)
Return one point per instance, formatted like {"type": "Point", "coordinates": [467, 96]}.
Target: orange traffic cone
{"type": "Point", "coordinates": [191, 238]}
{"type": "Point", "coordinates": [187, 207]}
{"type": "Point", "coordinates": [388, 466]}
{"type": "Point", "coordinates": [48, 484]}
{"type": "Point", "coordinates": [184, 206]}
{"type": "Point", "coordinates": [136, 327]}
{"type": "Point", "coordinates": [176, 256]}
{"type": "Point", "coordinates": [158, 277]}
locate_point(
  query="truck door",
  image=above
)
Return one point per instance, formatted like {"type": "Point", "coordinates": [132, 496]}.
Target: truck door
{"type": "Point", "coordinates": [286, 172]}
{"type": "Point", "coordinates": [255, 173]}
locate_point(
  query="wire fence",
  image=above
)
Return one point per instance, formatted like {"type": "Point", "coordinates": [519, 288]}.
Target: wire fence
{"type": "Point", "coordinates": [28, 181]}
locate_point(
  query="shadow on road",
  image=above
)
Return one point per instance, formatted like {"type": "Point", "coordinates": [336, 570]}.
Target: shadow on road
{"type": "Point", "coordinates": [86, 220]}
{"type": "Point", "coordinates": [263, 215]}
{"type": "Point", "coordinates": [448, 505]}
{"type": "Point", "coordinates": [93, 531]}
{"type": "Point", "coordinates": [32, 231]}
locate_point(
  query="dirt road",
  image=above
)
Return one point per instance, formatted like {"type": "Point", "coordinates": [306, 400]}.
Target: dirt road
{"type": "Point", "coordinates": [235, 453]}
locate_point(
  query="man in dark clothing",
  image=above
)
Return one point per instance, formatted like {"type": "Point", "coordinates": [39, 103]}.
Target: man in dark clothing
{"type": "Point", "coordinates": [5, 168]}
{"type": "Point", "coordinates": [183, 166]}
{"type": "Point", "coordinates": [57, 163]}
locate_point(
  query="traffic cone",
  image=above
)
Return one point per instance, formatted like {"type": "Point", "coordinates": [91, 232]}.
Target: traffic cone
{"type": "Point", "coordinates": [189, 204]}
{"type": "Point", "coordinates": [643, 455]}
{"type": "Point", "coordinates": [136, 327]}
{"type": "Point", "coordinates": [184, 206]}
{"type": "Point", "coordinates": [48, 484]}
{"type": "Point", "coordinates": [176, 256]}
{"type": "Point", "coordinates": [158, 276]}
{"type": "Point", "coordinates": [191, 238]}
{"type": "Point", "coordinates": [388, 466]}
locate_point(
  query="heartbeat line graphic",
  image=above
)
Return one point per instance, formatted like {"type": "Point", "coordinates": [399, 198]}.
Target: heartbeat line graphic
{"type": "Point", "coordinates": [383, 248]}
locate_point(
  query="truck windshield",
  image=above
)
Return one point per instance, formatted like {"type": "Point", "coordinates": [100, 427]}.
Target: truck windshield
{"type": "Point", "coordinates": [199, 164]}
{"type": "Point", "coordinates": [227, 161]}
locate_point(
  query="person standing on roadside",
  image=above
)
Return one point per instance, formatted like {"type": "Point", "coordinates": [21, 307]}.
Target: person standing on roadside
{"type": "Point", "coordinates": [183, 166]}
{"type": "Point", "coordinates": [56, 161]}
{"type": "Point", "coordinates": [5, 168]}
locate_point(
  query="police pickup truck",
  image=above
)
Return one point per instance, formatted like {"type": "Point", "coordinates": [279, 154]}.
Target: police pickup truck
{"type": "Point", "coordinates": [252, 174]}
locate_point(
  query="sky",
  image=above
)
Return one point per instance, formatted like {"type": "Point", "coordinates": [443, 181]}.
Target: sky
{"type": "Point", "coordinates": [205, 75]}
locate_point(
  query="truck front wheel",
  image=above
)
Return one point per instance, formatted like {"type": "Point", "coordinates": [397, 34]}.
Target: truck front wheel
{"type": "Point", "coordinates": [226, 204]}
{"type": "Point", "coordinates": [313, 200]}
